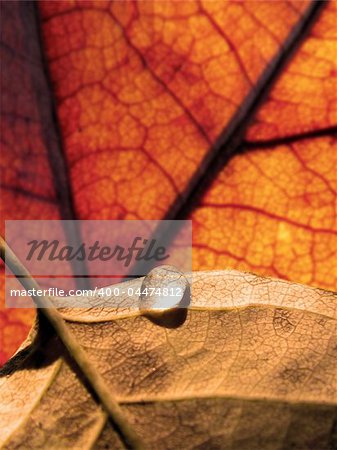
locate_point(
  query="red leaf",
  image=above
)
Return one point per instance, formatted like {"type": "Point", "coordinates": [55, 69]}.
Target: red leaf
{"type": "Point", "coordinates": [135, 110]}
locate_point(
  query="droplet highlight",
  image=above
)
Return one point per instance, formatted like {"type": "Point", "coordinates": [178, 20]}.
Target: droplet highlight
{"type": "Point", "coordinates": [165, 295]}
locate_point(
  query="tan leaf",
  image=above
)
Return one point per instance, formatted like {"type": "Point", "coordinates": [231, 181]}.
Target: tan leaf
{"type": "Point", "coordinates": [252, 367]}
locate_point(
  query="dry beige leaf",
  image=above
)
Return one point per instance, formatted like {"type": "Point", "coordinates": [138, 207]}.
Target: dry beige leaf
{"type": "Point", "coordinates": [252, 367]}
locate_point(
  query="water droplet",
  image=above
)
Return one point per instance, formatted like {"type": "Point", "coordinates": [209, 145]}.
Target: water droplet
{"type": "Point", "coordinates": [165, 295]}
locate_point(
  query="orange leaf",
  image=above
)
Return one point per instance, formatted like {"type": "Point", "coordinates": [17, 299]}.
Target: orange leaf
{"type": "Point", "coordinates": [272, 211]}
{"type": "Point", "coordinates": [164, 109]}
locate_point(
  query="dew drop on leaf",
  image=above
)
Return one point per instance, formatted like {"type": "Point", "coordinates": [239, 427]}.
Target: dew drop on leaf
{"type": "Point", "coordinates": [165, 293]}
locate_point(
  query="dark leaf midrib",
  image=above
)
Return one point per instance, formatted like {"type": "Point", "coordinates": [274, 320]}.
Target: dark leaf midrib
{"type": "Point", "coordinates": [230, 141]}
{"type": "Point", "coordinates": [290, 139]}
{"type": "Point", "coordinates": [56, 152]}
{"type": "Point", "coordinates": [54, 144]}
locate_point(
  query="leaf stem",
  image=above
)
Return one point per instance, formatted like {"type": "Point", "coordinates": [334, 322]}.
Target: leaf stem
{"type": "Point", "coordinates": [96, 381]}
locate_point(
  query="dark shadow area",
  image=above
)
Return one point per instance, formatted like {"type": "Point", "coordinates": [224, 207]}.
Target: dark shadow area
{"type": "Point", "coordinates": [172, 318]}
{"type": "Point", "coordinates": [43, 351]}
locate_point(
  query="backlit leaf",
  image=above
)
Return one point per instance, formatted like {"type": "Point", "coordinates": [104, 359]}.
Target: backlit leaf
{"type": "Point", "coordinates": [135, 109]}
{"type": "Point", "coordinates": [253, 366]}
